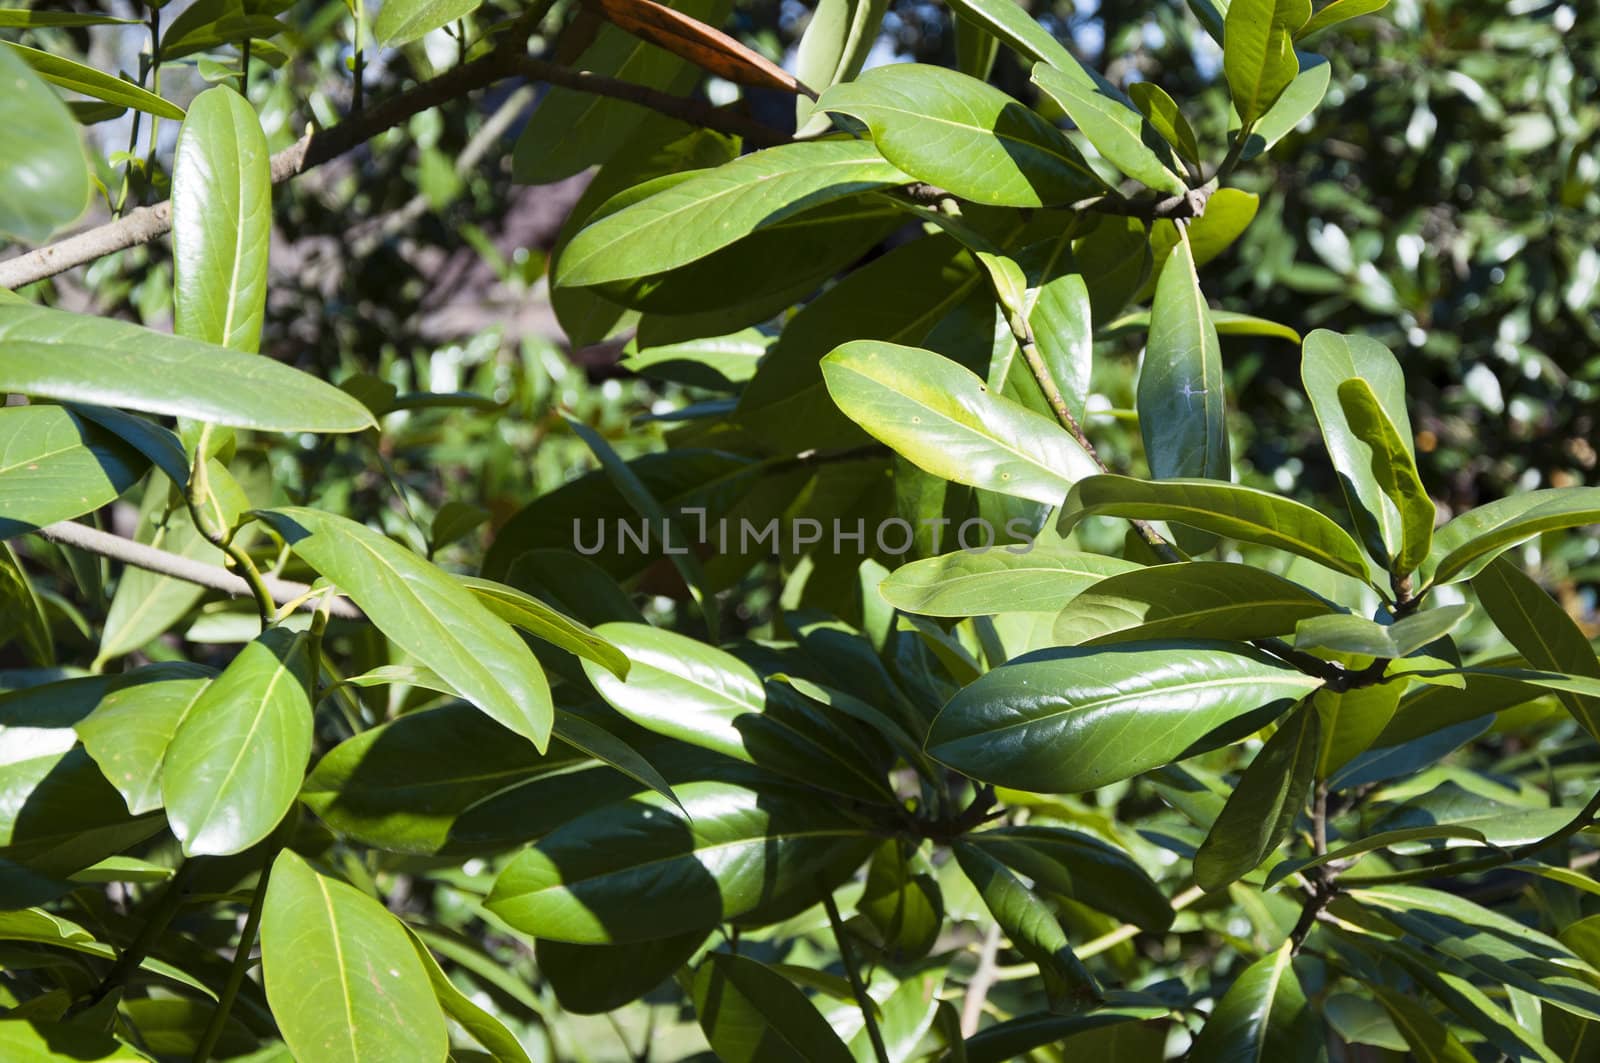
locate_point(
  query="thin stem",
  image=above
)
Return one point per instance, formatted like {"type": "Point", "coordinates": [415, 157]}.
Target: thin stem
{"type": "Point", "coordinates": [1235, 151]}
{"type": "Point", "coordinates": [131, 957]}
{"type": "Point", "coordinates": [983, 980]}
{"type": "Point", "coordinates": [244, 69]}
{"type": "Point", "coordinates": [854, 974]}
{"type": "Point", "coordinates": [237, 969]}
{"type": "Point", "coordinates": [210, 524]}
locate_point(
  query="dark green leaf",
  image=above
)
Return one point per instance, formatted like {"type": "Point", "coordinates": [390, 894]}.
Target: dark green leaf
{"type": "Point", "coordinates": [592, 979]}
{"type": "Point", "coordinates": [1167, 119]}
{"type": "Point", "coordinates": [1014, 1038]}
{"type": "Point", "coordinates": [1116, 130]}
{"type": "Point", "coordinates": [1210, 599]}
{"type": "Point", "coordinates": [1264, 804]}
{"type": "Point", "coordinates": [752, 1014]}
{"type": "Point", "coordinates": [1182, 410]}
{"type": "Point", "coordinates": [1262, 1018]}
{"type": "Point", "coordinates": [1081, 867]}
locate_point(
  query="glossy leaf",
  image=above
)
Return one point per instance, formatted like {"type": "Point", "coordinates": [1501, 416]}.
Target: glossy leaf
{"type": "Point", "coordinates": [1242, 513]}
{"type": "Point", "coordinates": [402, 21]}
{"type": "Point", "coordinates": [24, 618]}
{"type": "Point", "coordinates": [1013, 1038]}
{"type": "Point", "coordinates": [640, 869]}
{"type": "Point", "coordinates": [1258, 52]}
{"type": "Point", "coordinates": [752, 1014]}
{"type": "Point", "coordinates": [1429, 1039]}
{"type": "Point", "coordinates": [129, 731]}
{"type": "Point", "coordinates": [713, 208]}
{"type": "Point", "coordinates": [1302, 97]}
{"type": "Point", "coordinates": [1209, 599]}
{"type": "Point", "coordinates": [91, 82]}
{"type": "Point", "coordinates": [237, 758]}
{"type": "Point", "coordinates": [56, 466]}
{"type": "Point", "coordinates": [997, 581]}
{"type": "Point", "coordinates": [1393, 469]}
{"type": "Point", "coordinates": [44, 174]}
{"type": "Point", "coordinates": [484, 1027]}
{"type": "Point", "coordinates": [1542, 632]}
{"type": "Point", "coordinates": [1344, 633]}
{"type": "Point", "coordinates": [345, 982]}
{"type": "Point", "coordinates": [1352, 720]}
{"type": "Point", "coordinates": [965, 136]}
{"type": "Point", "coordinates": [1056, 721]}
{"type": "Point", "coordinates": [1264, 804]}
{"type": "Point", "coordinates": [56, 355]}
{"type": "Point", "coordinates": [833, 48]}
{"type": "Point", "coordinates": [544, 621]}
{"type": "Point", "coordinates": [1467, 544]}
{"type": "Point", "coordinates": [1081, 867]}
{"type": "Point", "coordinates": [1371, 843]}
{"type": "Point", "coordinates": [221, 222]}
{"type": "Point", "coordinates": [593, 979]}
{"type": "Point", "coordinates": [1117, 131]}
{"type": "Point", "coordinates": [1182, 412]}
{"type": "Point", "coordinates": [1167, 119]}
{"type": "Point", "coordinates": [1332, 14]}
{"type": "Point", "coordinates": [902, 901]}
{"type": "Point", "coordinates": [1263, 1016]}
{"type": "Point", "coordinates": [1060, 314]}
{"type": "Point", "coordinates": [428, 614]}
{"type": "Point", "coordinates": [942, 418]}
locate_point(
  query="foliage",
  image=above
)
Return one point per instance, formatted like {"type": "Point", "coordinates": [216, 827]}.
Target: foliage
{"type": "Point", "coordinates": [924, 678]}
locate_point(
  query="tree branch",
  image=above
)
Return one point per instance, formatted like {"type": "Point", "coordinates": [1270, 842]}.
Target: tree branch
{"type": "Point", "coordinates": [152, 559]}
{"type": "Point", "coordinates": [148, 223]}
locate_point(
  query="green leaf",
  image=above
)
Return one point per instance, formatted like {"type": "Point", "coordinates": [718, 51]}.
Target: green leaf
{"type": "Point", "coordinates": [221, 222]}
{"type": "Point", "coordinates": [71, 358]}
{"type": "Point", "coordinates": [1242, 513]}
{"type": "Point", "coordinates": [1014, 1038]}
{"type": "Point", "coordinates": [484, 1027]}
{"type": "Point", "coordinates": [237, 759]}
{"type": "Point", "coordinates": [1057, 721]}
{"type": "Point", "coordinates": [736, 851]}
{"type": "Point", "coordinates": [1258, 52]}
{"type": "Point", "coordinates": [1081, 867]}
{"type": "Point", "coordinates": [1229, 213]}
{"type": "Point", "coordinates": [1263, 1016]}
{"type": "Point", "coordinates": [1060, 315]}
{"type": "Point", "coordinates": [56, 466]}
{"type": "Point", "coordinates": [44, 176]}
{"type": "Point", "coordinates": [902, 901]}
{"type": "Point", "coordinates": [14, 18]}
{"type": "Point", "coordinates": [129, 731]}
{"type": "Point", "coordinates": [1345, 633]}
{"type": "Point", "coordinates": [976, 47]}
{"type": "Point", "coordinates": [1371, 843]}
{"type": "Point", "coordinates": [455, 521]}
{"type": "Point", "coordinates": [1338, 11]}
{"type": "Point", "coordinates": [23, 616]}
{"type": "Point", "coordinates": [964, 136]}
{"type": "Point", "coordinates": [1264, 804]}
{"type": "Point", "coordinates": [1227, 323]}
{"type": "Point", "coordinates": [835, 45]}
{"type": "Point", "coordinates": [402, 21]}
{"type": "Point", "coordinates": [1182, 409]}
{"type": "Point", "coordinates": [711, 209]}
{"type": "Point", "coordinates": [1352, 720]}
{"type": "Point", "coordinates": [1032, 928]}
{"type": "Point", "coordinates": [594, 979]}
{"type": "Point", "coordinates": [1038, 579]}
{"type": "Point", "coordinates": [161, 445]}
{"type": "Point", "coordinates": [24, 1039]}
{"type": "Point", "coordinates": [550, 624]}
{"type": "Point", "coordinates": [1303, 96]}
{"type": "Point", "coordinates": [1011, 23]}
{"type": "Point", "coordinates": [1210, 599]}
{"type": "Point", "coordinates": [1117, 131]}
{"type": "Point", "coordinates": [1542, 632]}
{"type": "Point", "coordinates": [942, 418]}
{"type": "Point", "coordinates": [1167, 119]}
{"type": "Point", "coordinates": [345, 982]}
{"type": "Point", "coordinates": [428, 614]}
{"type": "Point", "coordinates": [752, 1014]}
{"type": "Point", "coordinates": [1393, 469]}
{"type": "Point", "coordinates": [1466, 545]}
{"type": "Point", "coordinates": [88, 81]}
{"type": "Point", "coordinates": [1429, 1039]}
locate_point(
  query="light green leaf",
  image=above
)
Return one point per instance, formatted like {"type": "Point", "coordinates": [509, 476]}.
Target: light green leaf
{"type": "Point", "coordinates": [965, 136]}
{"type": "Point", "coordinates": [23, 616]}
{"type": "Point", "coordinates": [237, 759]}
{"type": "Point", "coordinates": [1032, 928]}
{"type": "Point", "coordinates": [1264, 804]}
{"type": "Point", "coordinates": [1242, 513]}
{"type": "Point", "coordinates": [1393, 469]}
{"type": "Point", "coordinates": [221, 221]}
{"type": "Point", "coordinates": [1182, 407]}
{"type": "Point", "coordinates": [1328, 360]}
{"type": "Point", "coordinates": [555, 627]}
{"type": "Point", "coordinates": [1542, 632]}
{"type": "Point", "coordinates": [1060, 316]}
{"type": "Point", "coordinates": [901, 901]}
{"type": "Point", "coordinates": [942, 418]}
{"type": "Point", "coordinates": [1057, 721]}
{"type": "Point", "coordinates": [1429, 1039]}
{"type": "Point", "coordinates": [1332, 14]}
{"type": "Point", "coordinates": [91, 82]}
{"type": "Point", "coordinates": [837, 39]}
{"type": "Point", "coordinates": [736, 851]}
{"type": "Point", "coordinates": [1226, 322]}
{"type": "Point", "coordinates": [1229, 213]}
{"type": "Point", "coordinates": [484, 1027]}
{"type": "Point", "coordinates": [1466, 545]}
{"type": "Point", "coordinates": [56, 466]}
{"type": "Point", "coordinates": [72, 358]}
{"type": "Point", "coordinates": [14, 18]}
{"type": "Point", "coordinates": [345, 982]}
{"type": "Point", "coordinates": [402, 21]}
{"type": "Point", "coordinates": [129, 731]}
{"type": "Point", "coordinates": [428, 614]}
{"type": "Point", "coordinates": [1303, 96]}
{"type": "Point", "coordinates": [752, 1014]}
{"type": "Point", "coordinates": [1209, 599]}
{"type": "Point", "coordinates": [44, 1042]}
{"type": "Point", "coordinates": [454, 521]}
{"type": "Point", "coordinates": [1352, 720]}
{"type": "Point", "coordinates": [1263, 1017]}
{"type": "Point", "coordinates": [711, 209]}
{"type": "Point", "coordinates": [1011, 23]}
{"type": "Point", "coordinates": [1038, 579]}
{"type": "Point", "coordinates": [1371, 843]}
{"type": "Point", "coordinates": [1167, 119]}
{"type": "Point", "coordinates": [1258, 52]}
{"type": "Point", "coordinates": [1116, 130]}
{"type": "Point", "coordinates": [1345, 633]}
{"type": "Point", "coordinates": [44, 177]}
